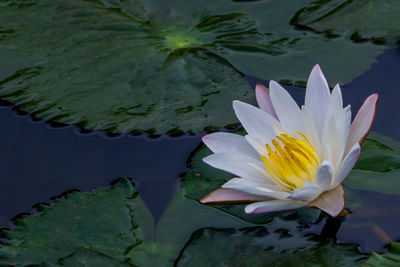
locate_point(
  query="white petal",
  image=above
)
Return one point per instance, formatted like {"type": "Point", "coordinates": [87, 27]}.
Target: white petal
{"type": "Point", "coordinates": [229, 196]}
{"type": "Point", "coordinates": [325, 174]}
{"type": "Point", "coordinates": [229, 143]}
{"type": "Point", "coordinates": [239, 165]}
{"type": "Point", "coordinates": [306, 194]}
{"type": "Point", "coordinates": [264, 100]}
{"type": "Point", "coordinates": [286, 108]}
{"type": "Point", "coordinates": [331, 202]}
{"type": "Point", "coordinates": [273, 205]}
{"type": "Point", "coordinates": [257, 145]}
{"type": "Point", "coordinates": [347, 165]}
{"type": "Point", "coordinates": [336, 97]}
{"type": "Point", "coordinates": [255, 188]}
{"type": "Point", "coordinates": [317, 96]}
{"type": "Point", "coordinates": [362, 123]}
{"type": "Point", "coordinates": [255, 121]}
{"type": "Point", "coordinates": [310, 130]}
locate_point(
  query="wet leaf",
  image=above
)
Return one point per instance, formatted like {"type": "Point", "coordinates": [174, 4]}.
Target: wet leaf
{"type": "Point", "coordinates": [263, 247]}
{"type": "Point", "coordinates": [378, 168]}
{"type": "Point", "coordinates": [76, 222]}
{"type": "Point", "coordinates": [109, 227]}
{"type": "Point", "coordinates": [128, 66]}
{"type": "Point", "coordinates": [389, 259]}
{"type": "Point", "coordinates": [359, 20]}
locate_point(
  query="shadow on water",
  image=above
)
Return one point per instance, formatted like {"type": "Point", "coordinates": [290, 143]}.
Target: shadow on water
{"type": "Point", "coordinates": [37, 163]}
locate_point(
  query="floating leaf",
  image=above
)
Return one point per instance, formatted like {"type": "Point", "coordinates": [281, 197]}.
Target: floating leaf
{"type": "Point", "coordinates": [78, 221]}
{"type": "Point", "coordinates": [378, 168]}
{"type": "Point", "coordinates": [153, 66]}
{"type": "Point", "coordinates": [360, 20]}
{"type": "Point", "coordinates": [389, 259]}
{"type": "Point", "coordinates": [109, 226]}
{"type": "Point", "coordinates": [257, 247]}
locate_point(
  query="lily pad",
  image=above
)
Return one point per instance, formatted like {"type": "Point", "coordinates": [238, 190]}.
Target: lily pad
{"type": "Point", "coordinates": [112, 227]}
{"type": "Point", "coordinates": [76, 222]}
{"type": "Point", "coordinates": [153, 66]}
{"type": "Point", "coordinates": [360, 20]}
{"type": "Point", "coordinates": [255, 247]}
{"type": "Point", "coordinates": [378, 168]}
{"type": "Point", "coordinates": [389, 259]}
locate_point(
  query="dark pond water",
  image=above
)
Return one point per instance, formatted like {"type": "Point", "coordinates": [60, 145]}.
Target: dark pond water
{"type": "Point", "coordinates": [39, 161]}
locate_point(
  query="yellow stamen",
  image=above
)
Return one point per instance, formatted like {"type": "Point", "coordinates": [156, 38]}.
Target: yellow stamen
{"type": "Point", "coordinates": [293, 161]}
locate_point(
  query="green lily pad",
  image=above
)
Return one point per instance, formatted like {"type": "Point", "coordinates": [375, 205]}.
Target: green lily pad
{"type": "Point", "coordinates": [360, 20]}
{"type": "Point", "coordinates": [124, 66]}
{"type": "Point", "coordinates": [378, 168]}
{"type": "Point", "coordinates": [112, 227]}
{"type": "Point", "coordinates": [389, 259]}
{"type": "Point", "coordinates": [255, 247]}
{"type": "Point", "coordinates": [76, 222]}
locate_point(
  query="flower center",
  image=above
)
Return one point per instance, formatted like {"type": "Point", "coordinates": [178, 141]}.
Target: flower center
{"type": "Point", "coordinates": [292, 162]}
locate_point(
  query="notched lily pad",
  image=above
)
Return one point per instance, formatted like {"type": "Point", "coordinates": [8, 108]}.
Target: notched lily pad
{"type": "Point", "coordinates": [359, 20]}
{"type": "Point", "coordinates": [109, 227]}
{"type": "Point", "coordinates": [74, 223]}
{"type": "Point", "coordinates": [128, 66]}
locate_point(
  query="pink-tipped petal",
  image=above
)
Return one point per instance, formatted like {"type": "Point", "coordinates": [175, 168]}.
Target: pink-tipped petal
{"type": "Point", "coordinates": [347, 165]}
{"type": "Point", "coordinates": [264, 100]}
{"type": "Point", "coordinates": [229, 143]}
{"type": "Point", "coordinates": [273, 205]}
{"type": "Point", "coordinates": [317, 96]}
{"type": "Point", "coordinates": [331, 202]}
{"type": "Point", "coordinates": [362, 123]}
{"type": "Point", "coordinates": [229, 196]}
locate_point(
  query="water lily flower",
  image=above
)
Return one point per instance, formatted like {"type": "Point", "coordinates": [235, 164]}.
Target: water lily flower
{"type": "Point", "coordinates": [291, 156]}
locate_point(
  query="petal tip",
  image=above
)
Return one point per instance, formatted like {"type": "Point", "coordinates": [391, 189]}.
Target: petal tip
{"type": "Point", "coordinates": [317, 68]}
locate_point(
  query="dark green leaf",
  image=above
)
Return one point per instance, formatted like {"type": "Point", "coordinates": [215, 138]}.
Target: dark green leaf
{"type": "Point", "coordinates": [150, 65]}
{"type": "Point", "coordinates": [378, 168]}
{"type": "Point", "coordinates": [111, 228]}
{"type": "Point", "coordinates": [264, 247]}
{"type": "Point", "coordinates": [360, 20]}
{"type": "Point", "coordinates": [389, 259]}
{"type": "Point", "coordinates": [100, 222]}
